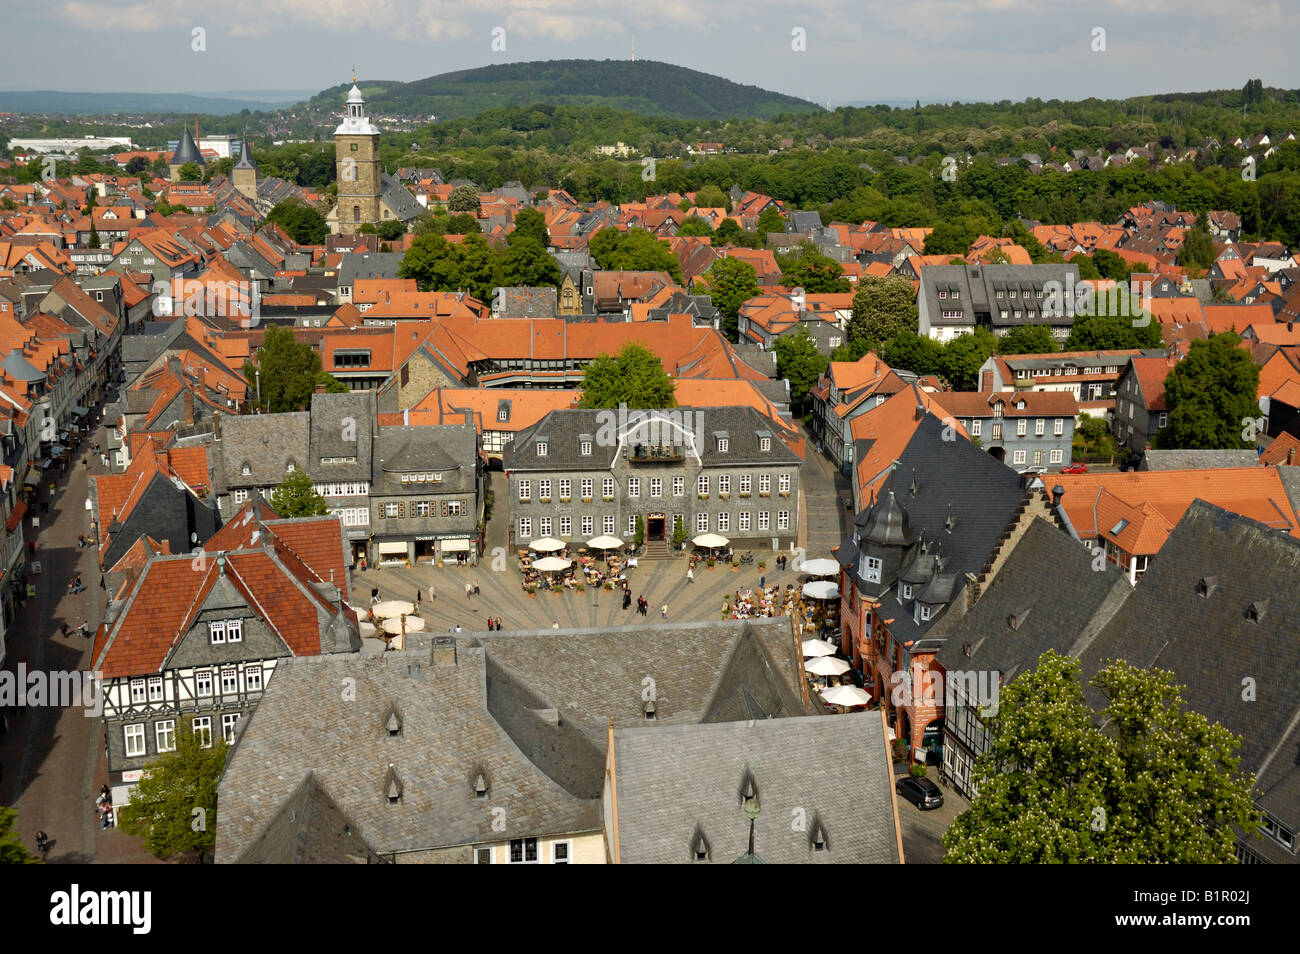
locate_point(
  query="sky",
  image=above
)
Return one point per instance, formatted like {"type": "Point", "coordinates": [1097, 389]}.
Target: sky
{"type": "Point", "coordinates": [828, 51]}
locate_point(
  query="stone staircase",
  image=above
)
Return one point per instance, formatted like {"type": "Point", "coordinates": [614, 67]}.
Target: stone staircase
{"type": "Point", "coordinates": [656, 550]}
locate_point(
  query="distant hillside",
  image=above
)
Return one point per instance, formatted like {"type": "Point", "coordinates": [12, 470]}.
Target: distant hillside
{"type": "Point", "coordinates": [99, 104]}
{"type": "Point", "coordinates": [641, 86]}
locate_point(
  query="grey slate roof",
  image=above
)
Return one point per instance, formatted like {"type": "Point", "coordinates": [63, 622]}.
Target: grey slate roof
{"type": "Point", "coordinates": [673, 781]}
{"type": "Point", "coordinates": [265, 442]}
{"type": "Point", "coordinates": [186, 151]}
{"type": "Point", "coordinates": [1058, 600]}
{"type": "Point", "coordinates": [1197, 459]}
{"type": "Point", "coordinates": [245, 156]}
{"type": "Point", "coordinates": [564, 430]}
{"type": "Point", "coordinates": [398, 199]}
{"type": "Point", "coordinates": [977, 286]}
{"type": "Point", "coordinates": [369, 265]}
{"type": "Point", "coordinates": [1211, 646]}
{"type": "Point", "coordinates": [310, 829]}
{"type": "Point", "coordinates": [448, 449]}
{"type": "Point", "coordinates": [446, 732]}
{"type": "Point", "coordinates": [342, 425]}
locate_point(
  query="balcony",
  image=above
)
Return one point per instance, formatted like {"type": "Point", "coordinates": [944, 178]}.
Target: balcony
{"type": "Point", "coordinates": [656, 453]}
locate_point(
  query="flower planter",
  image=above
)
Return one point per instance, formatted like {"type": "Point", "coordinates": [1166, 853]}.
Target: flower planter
{"type": "Point", "coordinates": [764, 493]}
{"type": "Point", "coordinates": [586, 500]}
{"type": "Point", "coordinates": [704, 496]}
{"type": "Point", "coordinates": [564, 500]}
{"type": "Point", "coordinates": [724, 496]}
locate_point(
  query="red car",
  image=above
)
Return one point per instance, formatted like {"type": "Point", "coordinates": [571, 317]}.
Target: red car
{"type": "Point", "coordinates": [1074, 469]}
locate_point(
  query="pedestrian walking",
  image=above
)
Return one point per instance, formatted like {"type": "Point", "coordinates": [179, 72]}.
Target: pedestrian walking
{"type": "Point", "coordinates": [690, 575]}
{"type": "Point", "coordinates": [458, 629]}
{"type": "Point", "coordinates": [627, 599]}
{"type": "Point", "coordinates": [555, 625]}
{"type": "Point", "coordinates": [489, 624]}
{"type": "Point", "coordinates": [63, 628]}
{"type": "Point", "coordinates": [498, 624]}
{"type": "Point", "coordinates": [762, 582]}
{"type": "Point", "coordinates": [663, 611]}
{"type": "Point", "coordinates": [469, 589]}
{"type": "Point", "coordinates": [476, 586]}
{"type": "Point", "coordinates": [43, 844]}
{"type": "Point", "coordinates": [80, 587]}
{"type": "Point", "coordinates": [417, 596]}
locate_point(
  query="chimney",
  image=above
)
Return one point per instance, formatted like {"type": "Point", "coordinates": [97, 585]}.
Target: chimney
{"type": "Point", "coordinates": [920, 411]}
{"type": "Point", "coordinates": [187, 398]}
{"type": "Point", "coordinates": [444, 651]}
{"type": "Point", "coordinates": [406, 417]}
{"type": "Point", "coordinates": [1057, 493]}
{"type": "Point", "coordinates": [216, 425]}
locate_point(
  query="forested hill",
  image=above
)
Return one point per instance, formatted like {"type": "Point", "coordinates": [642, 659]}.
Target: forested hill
{"type": "Point", "coordinates": [641, 86]}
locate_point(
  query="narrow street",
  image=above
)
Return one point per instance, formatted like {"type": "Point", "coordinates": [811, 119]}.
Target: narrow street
{"type": "Point", "coordinates": [53, 757]}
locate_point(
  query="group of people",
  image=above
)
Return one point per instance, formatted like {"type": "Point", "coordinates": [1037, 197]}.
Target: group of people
{"type": "Point", "coordinates": [766, 601]}
{"type": "Point", "coordinates": [104, 806]}
{"type": "Point", "coordinates": [75, 584]}
{"type": "Point", "coordinates": [83, 629]}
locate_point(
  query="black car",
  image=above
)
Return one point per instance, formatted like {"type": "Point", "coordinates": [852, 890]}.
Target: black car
{"type": "Point", "coordinates": [921, 792]}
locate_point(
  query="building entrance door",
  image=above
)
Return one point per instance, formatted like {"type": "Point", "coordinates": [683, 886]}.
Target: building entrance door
{"type": "Point", "coordinates": [654, 526]}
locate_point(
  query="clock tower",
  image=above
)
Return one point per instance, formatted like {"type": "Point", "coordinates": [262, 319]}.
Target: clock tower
{"type": "Point", "coordinates": [356, 159]}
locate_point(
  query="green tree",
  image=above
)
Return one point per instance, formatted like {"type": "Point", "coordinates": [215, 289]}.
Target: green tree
{"type": "Point", "coordinates": [526, 262]}
{"type": "Point", "coordinates": [813, 272]}
{"type": "Point", "coordinates": [1197, 250]}
{"type": "Point", "coordinates": [634, 377]}
{"type": "Point", "coordinates": [1087, 268]}
{"type": "Point", "coordinates": [1110, 265]}
{"type": "Point", "coordinates": [730, 283]}
{"type": "Point", "coordinates": [190, 172]}
{"type": "Point", "coordinates": [301, 222]}
{"type": "Point", "coordinates": [462, 224]}
{"type": "Point", "coordinates": [174, 807]}
{"type": "Point", "coordinates": [429, 260]}
{"type": "Point", "coordinates": [288, 372]}
{"type": "Point", "coordinates": [962, 357]}
{"type": "Point", "coordinates": [912, 352]}
{"type": "Point", "coordinates": [1143, 781]}
{"type": "Point", "coordinates": [633, 250]}
{"type": "Point", "coordinates": [883, 307]}
{"type": "Point", "coordinates": [712, 197]}
{"type": "Point", "coordinates": [367, 228]}
{"type": "Point", "coordinates": [1092, 439]}
{"type": "Point", "coordinates": [1113, 332]}
{"type": "Point", "coordinates": [728, 232]}
{"type": "Point", "coordinates": [391, 230]}
{"type": "Point", "coordinates": [694, 225]}
{"type": "Point", "coordinates": [799, 362]}
{"type": "Point", "coordinates": [93, 241]}
{"type": "Point", "coordinates": [638, 532]}
{"type": "Point", "coordinates": [463, 198]}
{"type": "Point", "coordinates": [296, 497]}
{"type": "Point", "coordinates": [1211, 397]}
{"type": "Point", "coordinates": [530, 223]}
{"type": "Point", "coordinates": [770, 220]}
{"type": "Point", "coordinates": [1027, 339]}
{"type": "Point", "coordinates": [12, 849]}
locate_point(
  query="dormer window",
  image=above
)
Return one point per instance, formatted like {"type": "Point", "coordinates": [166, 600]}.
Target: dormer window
{"type": "Point", "coordinates": [872, 569]}
{"type": "Point", "coordinates": [246, 471]}
{"type": "Point", "coordinates": [1255, 611]}
{"type": "Point", "coordinates": [723, 443]}
{"type": "Point", "coordinates": [1206, 586]}
{"type": "Point", "coordinates": [923, 612]}
{"type": "Point", "coordinates": [765, 444]}
{"type": "Point", "coordinates": [541, 448]}
{"type": "Point", "coordinates": [904, 591]}
{"type": "Point", "coordinates": [585, 448]}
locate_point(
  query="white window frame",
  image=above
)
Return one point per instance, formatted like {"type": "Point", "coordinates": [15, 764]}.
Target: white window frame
{"type": "Point", "coordinates": [743, 520]}
{"type": "Point", "coordinates": [253, 679]}
{"type": "Point", "coordinates": [525, 491]}
{"type": "Point", "coordinates": [631, 525]}
{"type": "Point", "coordinates": [234, 630]}
{"type": "Point", "coordinates": [217, 632]}
{"type": "Point", "coordinates": [566, 488]}
{"type": "Point", "coordinates": [974, 428]}
{"type": "Point", "coordinates": [229, 681]}
{"type": "Point", "coordinates": [586, 448]}
{"type": "Point", "coordinates": [634, 486]}
{"type": "Point", "coordinates": [1058, 427]}
{"type": "Point", "coordinates": [229, 722]}
{"type": "Point", "coordinates": [724, 522]}
{"type": "Point", "coordinates": [155, 688]}
{"type": "Point", "coordinates": [764, 483]}
{"type": "Point", "coordinates": [656, 486]}
{"type": "Point", "coordinates": [165, 735]}
{"type": "Point", "coordinates": [1040, 427]}
{"type": "Point", "coordinates": [873, 569]}
{"type": "Point", "coordinates": [586, 486]}
{"type": "Point", "coordinates": [588, 526]}
{"type": "Point", "coordinates": [202, 727]}
{"type": "Point", "coordinates": [544, 526]}
{"type": "Point", "coordinates": [764, 520]}
{"type": "Point", "coordinates": [139, 694]}
{"type": "Point", "coordinates": [541, 448]}
{"type": "Point", "coordinates": [1021, 427]}
{"type": "Point", "coordinates": [568, 852]}
{"type": "Point", "coordinates": [566, 526]}
{"type": "Point", "coordinates": [201, 678]}
{"type": "Point", "coordinates": [133, 735]}
{"type": "Point", "coordinates": [746, 483]}
{"type": "Point", "coordinates": [783, 519]}
{"type": "Point", "coordinates": [702, 522]}
{"type": "Point", "coordinates": [607, 487]}
{"type": "Point", "coordinates": [702, 485]}
{"type": "Point", "coordinates": [783, 483]}
{"type": "Point", "coordinates": [544, 491]}
{"type": "Point", "coordinates": [1056, 457]}
{"type": "Point", "coordinates": [525, 528]}
{"type": "Point", "coordinates": [523, 851]}
{"type": "Point", "coordinates": [723, 444]}
{"type": "Point", "coordinates": [1018, 457]}
{"type": "Point", "coordinates": [679, 486]}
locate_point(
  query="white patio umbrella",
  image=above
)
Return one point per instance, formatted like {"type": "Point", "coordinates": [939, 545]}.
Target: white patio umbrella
{"type": "Point", "coordinates": [605, 543]}
{"type": "Point", "coordinates": [547, 545]}
{"type": "Point", "coordinates": [827, 666]}
{"type": "Point", "coordinates": [818, 647]}
{"type": "Point", "coordinates": [819, 567]}
{"type": "Point", "coordinates": [552, 564]}
{"type": "Point", "coordinates": [846, 696]}
{"type": "Point", "coordinates": [367, 629]}
{"type": "Point", "coordinates": [821, 590]}
{"type": "Point", "coordinates": [392, 608]}
{"type": "Point", "coordinates": [710, 541]}
{"type": "Point", "coordinates": [393, 626]}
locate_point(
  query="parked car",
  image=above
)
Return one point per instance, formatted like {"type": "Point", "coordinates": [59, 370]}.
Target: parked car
{"type": "Point", "coordinates": [921, 792]}
{"type": "Point", "coordinates": [1033, 470]}
{"type": "Point", "coordinates": [1074, 469]}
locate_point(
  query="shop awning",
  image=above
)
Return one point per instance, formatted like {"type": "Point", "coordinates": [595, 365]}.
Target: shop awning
{"type": "Point", "coordinates": [455, 546]}
{"type": "Point", "coordinates": [16, 516]}
{"type": "Point", "coordinates": [392, 547]}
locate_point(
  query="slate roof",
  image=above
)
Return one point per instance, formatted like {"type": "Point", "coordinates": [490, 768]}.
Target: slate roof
{"type": "Point", "coordinates": [675, 781]}
{"type": "Point", "coordinates": [1211, 645]}
{"type": "Point", "coordinates": [368, 265]}
{"type": "Point", "coordinates": [1197, 459]}
{"type": "Point", "coordinates": [1057, 599]}
{"type": "Point", "coordinates": [266, 443]}
{"type": "Point", "coordinates": [398, 199]}
{"type": "Point", "coordinates": [977, 287]}
{"type": "Point", "coordinates": [959, 500]}
{"type": "Point", "coordinates": [555, 692]}
{"type": "Point", "coordinates": [186, 151]}
{"type": "Point", "coordinates": [446, 735]}
{"type": "Point", "coordinates": [448, 449]}
{"type": "Point", "coordinates": [310, 829]}
{"type": "Point", "coordinates": [564, 430]}
{"type": "Point", "coordinates": [342, 425]}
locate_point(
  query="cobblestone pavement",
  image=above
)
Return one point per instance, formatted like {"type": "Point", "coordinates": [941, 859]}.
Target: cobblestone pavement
{"type": "Point", "coordinates": [53, 758]}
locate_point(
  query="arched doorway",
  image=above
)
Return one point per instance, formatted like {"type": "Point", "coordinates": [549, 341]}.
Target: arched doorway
{"type": "Point", "coordinates": [998, 453]}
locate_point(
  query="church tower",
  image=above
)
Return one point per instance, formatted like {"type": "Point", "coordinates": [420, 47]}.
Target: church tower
{"type": "Point", "coordinates": [356, 158]}
{"type": "Point", "coordinates": [244, 174]}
